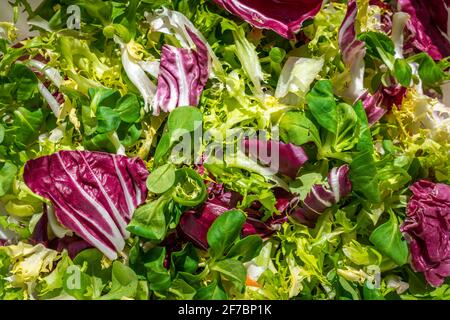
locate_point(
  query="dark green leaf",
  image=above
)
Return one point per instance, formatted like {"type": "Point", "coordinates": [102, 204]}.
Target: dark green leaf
{"type": "Point", "coordinates": [190, 190]}
{"type": "Point", "coordinates": [363, 175]}
{"type": "Point", "coordinates": [429, 71]}
{"type": "Point", "coordinates": [93, 259]}
{"type": "Point", "coordinates": [2, 133]}
{"type": "Point", "coordinates": [372, 293]}
{"type": "Point", "coordinates": [129, 108]}
{"type": "Point", "coordinates": [185, 118]}
{"type": "Point", "coordinates": [129, 134]}
{"type": "Point", "coordinates": [246, 249]}
{"type": "Point", "coordinates": [163, 147]}
{"type": "Point", "coordinates": [185, 260]}
{"type": "Point", "coordinates": [27, 124]}
{"type": "Point", "coordinates": [7, 176]}
{"type": "Point", "coordinates": [158, 276]}
{"type": "Point", "coordinates": [76, 283]}
{"type": "Point", "coordinates": [182, 290]}
{"type": "Point", "coordinates": [213, 291]}
{"type": "Point", "coordinates": [296, 128]}
{"type": "Point", "coordinates": [224, 231]}
{"type": "Point", "coordinates": [233, 271]}
{"type": "Point", "coordinates": [379, 46]}
{"type": "Point", "coordinates": [108, 120]}
{"type": "Point", "coordinates": [347, 131]}
{"type": "Point", "coordinates": [363, 172]}
{"type": "Point", "coordinates": [403, 72]}
{"type": "Point", "coordinates": [149, 220]}
{"type": "Point", "coordinates": [277, 54]}
{"type": "Point", "coordinates": [322, 104]}
{"type": "Point", "coordinates": [387, 238]}
{"type": "Point", "coordinates": [103, 97]}
{"type": "Point", "coordinates": [161, 179]}
{"type": "Point", "coordinates": [124, 283]}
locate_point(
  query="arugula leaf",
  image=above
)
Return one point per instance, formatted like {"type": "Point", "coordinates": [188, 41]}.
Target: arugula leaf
{"type": "Point", "coordinates": [379, 46]}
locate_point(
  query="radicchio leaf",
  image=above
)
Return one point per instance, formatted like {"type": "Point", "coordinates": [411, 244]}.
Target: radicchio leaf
{"type": "Point", "coordinates": [377, 104]}
{"type": "Point", "coordinates": [94, 194]}
{"type": "Point", "coordinates": [73, 244]}
{"type": "Point", "coordinates": [428, 26]}
{"type": "Point", "coordinates": [194, 224]}
{"type": "Point", "coordinates": [322, 197]}
{"type": "Point", "coordinates": [182, 76]}
{"type": "Point", "coordinates": [353, 51]}
{"type": "Point", "coordinates": [427, 229]}
{"type": "Point", "coordinates": [174, 23]}
{"type": "Point", "coordinates": [286, 158]}
{"type": "Point", "coordinates": [285, 17]}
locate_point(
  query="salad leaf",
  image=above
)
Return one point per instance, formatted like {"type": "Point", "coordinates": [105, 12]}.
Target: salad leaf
{"type": "Point", "coordinates": [161, 179]}
{"type": "Point", "coordinates": [109, 211]}
{"type": "Point", "coordinates": [224, 231]}
{"type": "Point", "coordinates": [284, 19]}
{"type": "Point", "coordinates": [388, 240]}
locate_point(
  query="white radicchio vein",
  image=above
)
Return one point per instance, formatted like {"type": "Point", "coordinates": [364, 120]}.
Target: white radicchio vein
{"type": "Point", "coordinates": [115, 236]}
{"type": "Point", "coordinates": [117, 216]}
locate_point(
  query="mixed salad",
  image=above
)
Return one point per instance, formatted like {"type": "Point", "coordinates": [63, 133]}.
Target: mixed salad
{"type": "Point", "coordinates": [225, 149]}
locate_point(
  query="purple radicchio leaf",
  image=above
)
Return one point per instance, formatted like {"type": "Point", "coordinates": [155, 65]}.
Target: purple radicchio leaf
{"type": "Point", "coordinates": [194, 224]}
{"type": "Point", "coordinates": [182, 76]}
{"type": "Point", "coordinates": [376, 105]}
{"type": "Point", "coordinates": [427, 230]}
{"type": "Point", "coordinates": [428, 26]}
{"type": "Point", "coordinates": [285, 17]}
{"type": "Point", "coordinates": [73, 244]}
{"type": "Point", "coordinates": [285, 158]}
{"type": "Point", "coordinates": [94, 194]}
{"type": "Point", "coordinates": [54, 99]}
{"type": "Point", "coordinates": [322, 197]}
{"type": "Point", "coordinates": [352, 50]}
